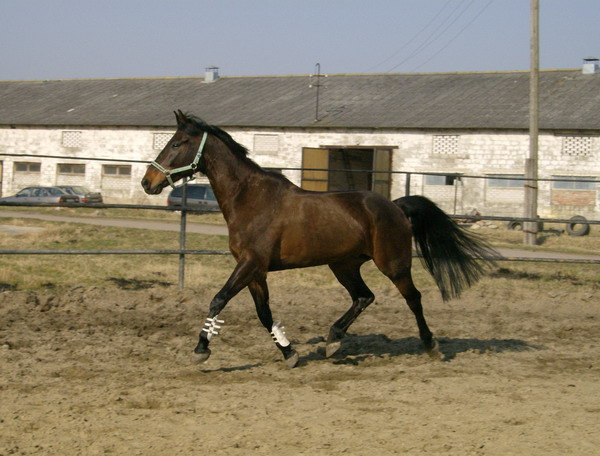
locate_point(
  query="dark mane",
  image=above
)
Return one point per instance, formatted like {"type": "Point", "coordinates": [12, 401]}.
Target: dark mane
{"type": "Point", "coordinates": [196, 126]}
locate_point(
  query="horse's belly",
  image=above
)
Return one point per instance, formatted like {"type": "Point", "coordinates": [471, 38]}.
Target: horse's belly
{"type": "Point", "coordinates": [316, 247]}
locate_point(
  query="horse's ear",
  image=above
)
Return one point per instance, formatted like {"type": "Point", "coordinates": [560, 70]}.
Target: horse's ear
{"type": "Point", "coordinates": [180, 116]}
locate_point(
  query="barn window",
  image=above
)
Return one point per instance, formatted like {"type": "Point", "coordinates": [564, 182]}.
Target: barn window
{"type": "Point", "coordinates": [27, 167]}
{"type": "Point", "coordinates": [71, 168]}
{"type": "Point", "coordinates": [577, 146]}
{"type": "Point", "coordinates": [266, 144]}
{"type": "Point", "coordinates": [160, 140]}
{"type": "Point", "coordinates": [574, 183]}
{"type": "Point", "coordinates": [438, 179]}
{"type": "Point", "coordinates": [445, 144]}
{"type": "Point", "coordinates": [116, 170]}
{"type": "Point", "coordinates": [72, 139]}
{"type": "Point", "coordinates": [506, 180]}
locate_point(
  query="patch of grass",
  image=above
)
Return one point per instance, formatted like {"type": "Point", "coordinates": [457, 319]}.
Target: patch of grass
{"type": "Point", "coordinates": [212, 218]}
{"type": "Point", "coordinates": [137, 284]}
{"type": "Point", "coordinates": [553, 238]}
{"type": "Point", "coordinates": [59, 235]}
{"type": "Point", "coordinates": [558, 276]}
{"type": "Point", "coordinates": [146, 271]}
{"type": "Point", "coordinates": [40, 271]}
{"type": "Point", "coordinates": [7, 286]}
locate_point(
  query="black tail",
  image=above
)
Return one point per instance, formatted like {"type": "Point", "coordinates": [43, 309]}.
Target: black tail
{"type": "Point", "coordinates": [454, 257]}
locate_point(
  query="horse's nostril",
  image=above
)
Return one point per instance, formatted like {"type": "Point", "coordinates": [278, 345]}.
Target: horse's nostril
{"type": "Point", "coordinates": [145, 183]}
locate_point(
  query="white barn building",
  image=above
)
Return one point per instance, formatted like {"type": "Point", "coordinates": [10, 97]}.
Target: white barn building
{"type": "Point", "coordinates": [101, 132]}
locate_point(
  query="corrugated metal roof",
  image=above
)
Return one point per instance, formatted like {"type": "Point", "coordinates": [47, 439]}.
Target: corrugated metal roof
{"type": "Point", "coordinates": [568, 100]}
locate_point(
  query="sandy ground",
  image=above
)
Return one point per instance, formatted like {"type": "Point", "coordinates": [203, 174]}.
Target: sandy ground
{"type": "Point", "coordinates": [96, 371]}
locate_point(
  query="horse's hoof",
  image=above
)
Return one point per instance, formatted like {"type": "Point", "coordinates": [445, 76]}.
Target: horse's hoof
{"type": "Point", "coordinates": [292, 360]}
{"type": "Point", "coordinates": [202, 357]}
{"type": "Point", "coordinates": [331, 348]}
{"type": "Point", "coordinates": [434, 350]}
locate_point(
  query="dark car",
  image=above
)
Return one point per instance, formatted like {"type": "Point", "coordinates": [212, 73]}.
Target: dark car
{"type": "Point", "coordinates": [199, 196]}
{"type": "Point", "coordinates": [84, 194]}
{"type": "Point", "coordinates": [41, 195]}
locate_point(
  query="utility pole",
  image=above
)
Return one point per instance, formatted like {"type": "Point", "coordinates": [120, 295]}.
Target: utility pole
{"type": "Point", "coordinates": [531, 163]}
{"type": "Point", "coordinates": [318, 86]}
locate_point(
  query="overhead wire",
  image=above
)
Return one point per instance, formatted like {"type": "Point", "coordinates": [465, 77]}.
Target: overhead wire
{"type": "Point", "coordinates": [437, 34]}
{"type": "Point", "coordinates": [412, 39]}
{"type": "Point", "coordinates": [450, 41]}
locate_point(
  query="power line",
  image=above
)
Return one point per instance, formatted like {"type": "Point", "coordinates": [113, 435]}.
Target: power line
{"type": "Point", "coordinates": [414, 37]}
{"type": "Point", "coordinates": [481, 11]}
{"type": "Point", "coordinates": [435, 36]}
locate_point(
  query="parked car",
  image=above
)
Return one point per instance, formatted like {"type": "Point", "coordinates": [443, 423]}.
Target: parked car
{"type": "Point", "coordinates": [41, 195]}
{"type": "Point", "coordinates": [199, 196]}
{"type": "Point", "coordinates": [84, 194]}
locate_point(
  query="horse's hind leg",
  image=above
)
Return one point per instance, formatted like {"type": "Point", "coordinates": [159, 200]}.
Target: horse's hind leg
{"type": "Point", "coordinates": [260, 294]}
{"type": "Point", "coordinates": [348, 274]}
{"type": "Point", "coordinates": [405, 285]}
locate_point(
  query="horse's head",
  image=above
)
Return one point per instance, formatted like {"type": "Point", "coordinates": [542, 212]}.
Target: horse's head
{"type": "Point", "coordinates": [181, 157]}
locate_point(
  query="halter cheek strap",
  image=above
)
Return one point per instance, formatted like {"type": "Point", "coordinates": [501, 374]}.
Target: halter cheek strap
{"type": "Point", "coordinates": [191, 167]}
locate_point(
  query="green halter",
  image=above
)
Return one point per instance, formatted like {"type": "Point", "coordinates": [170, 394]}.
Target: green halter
{"type": "Point", "coordinates": [191, 167]}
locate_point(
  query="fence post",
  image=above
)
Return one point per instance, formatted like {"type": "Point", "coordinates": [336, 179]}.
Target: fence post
{"type": "Point", "coordinates": [407, 185]}
{"type": "Point", "coordinates": [182, 230]}
{"type": "Point", "coordinates": [457, 180]}
{"type": "Point", "coordinates": [531, 163]}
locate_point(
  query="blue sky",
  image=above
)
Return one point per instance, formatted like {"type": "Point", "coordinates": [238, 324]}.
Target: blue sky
{"type": "Point", "coordinates": [55, 39]}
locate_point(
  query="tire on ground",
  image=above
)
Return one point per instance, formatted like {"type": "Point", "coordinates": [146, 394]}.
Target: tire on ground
{"type": "Point", "coordinates": [578, 226]}
{"type": "Point", "coordinates": [514, 225]}
{"type": "Point", "coordinates": [518, 226]}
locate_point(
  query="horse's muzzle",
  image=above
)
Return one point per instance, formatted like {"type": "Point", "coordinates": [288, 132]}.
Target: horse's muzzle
{"type": "Point", "coordinates": [153, 182]}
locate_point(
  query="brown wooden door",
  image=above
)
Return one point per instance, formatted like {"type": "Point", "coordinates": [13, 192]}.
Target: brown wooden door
{"type": "Point", "coordinates": [315, 158]}
{"type": "Point", "coordinates": [382, 161]}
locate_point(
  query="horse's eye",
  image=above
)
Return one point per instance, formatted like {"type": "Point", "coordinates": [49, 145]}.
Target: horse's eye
{"type": "Point", "coordinates": [175, 145]}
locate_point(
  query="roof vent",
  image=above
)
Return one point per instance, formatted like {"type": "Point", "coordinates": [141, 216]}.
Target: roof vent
{"type": "Point", "coordinates": [591, 65]}
{"type": "Point", "coordinates": [211, 74]}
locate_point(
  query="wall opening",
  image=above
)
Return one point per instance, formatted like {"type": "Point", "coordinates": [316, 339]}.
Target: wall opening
{"type": "Point", "coordinates": [347, 168]}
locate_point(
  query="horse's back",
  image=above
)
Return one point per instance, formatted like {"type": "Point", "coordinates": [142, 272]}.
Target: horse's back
{"type": "Point", "coordinates": [355, 208]}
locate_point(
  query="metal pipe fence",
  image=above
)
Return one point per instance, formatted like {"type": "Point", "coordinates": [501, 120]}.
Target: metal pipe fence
{"type": "Point", "coordinates": [371, 171]}
{"type": "Point", "coordinates": [183, 251]}
{"type": "Point", "coordinates": [185, 209]}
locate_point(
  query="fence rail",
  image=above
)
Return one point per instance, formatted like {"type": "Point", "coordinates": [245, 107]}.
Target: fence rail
{"type": "Point", "coordinates": [183, 251]}
{"type": "Point", "coordinates": [191, 209]}
{"type": "Point", "coordinates": [227, 252]}
{"type": "Point", "coordinates": [343, 170]}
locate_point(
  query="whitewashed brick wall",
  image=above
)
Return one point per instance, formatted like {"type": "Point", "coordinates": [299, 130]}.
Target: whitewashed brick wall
{"type": "Point", "coordinates": [475, 153]}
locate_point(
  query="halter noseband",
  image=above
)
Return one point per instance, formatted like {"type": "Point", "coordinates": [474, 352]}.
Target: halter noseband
{"type": "Point", "coordinates": [191, 167]}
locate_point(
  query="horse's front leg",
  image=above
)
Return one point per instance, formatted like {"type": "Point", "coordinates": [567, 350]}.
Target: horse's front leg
{"type": "Point", "coordinates": [241, 276]}
{"type": "Point", "coordinates": [260, 293]}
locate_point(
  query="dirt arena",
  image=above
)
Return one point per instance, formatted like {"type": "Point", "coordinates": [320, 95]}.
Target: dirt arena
{"type": "Point", "coordinates": [109, 370]}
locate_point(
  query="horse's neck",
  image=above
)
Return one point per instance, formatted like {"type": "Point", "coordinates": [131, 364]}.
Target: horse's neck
{"type": "Point", "coordinates": [231, 179]}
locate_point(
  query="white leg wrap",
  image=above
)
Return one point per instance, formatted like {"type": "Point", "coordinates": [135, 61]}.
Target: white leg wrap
{"type": "Point", "coordinates": [278, 335]}
{"type": "Point", "coordinates": [211, 326]}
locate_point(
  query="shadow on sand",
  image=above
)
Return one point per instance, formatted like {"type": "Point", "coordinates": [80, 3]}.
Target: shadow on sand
{"type": "Point", "coordinates": [232, 369]}
{"type": "Point", "coordinates": [357, 348]}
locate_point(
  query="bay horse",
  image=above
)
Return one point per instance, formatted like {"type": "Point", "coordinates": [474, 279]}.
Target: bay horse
{"type": "Point", "coordinates": [275, 225]}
